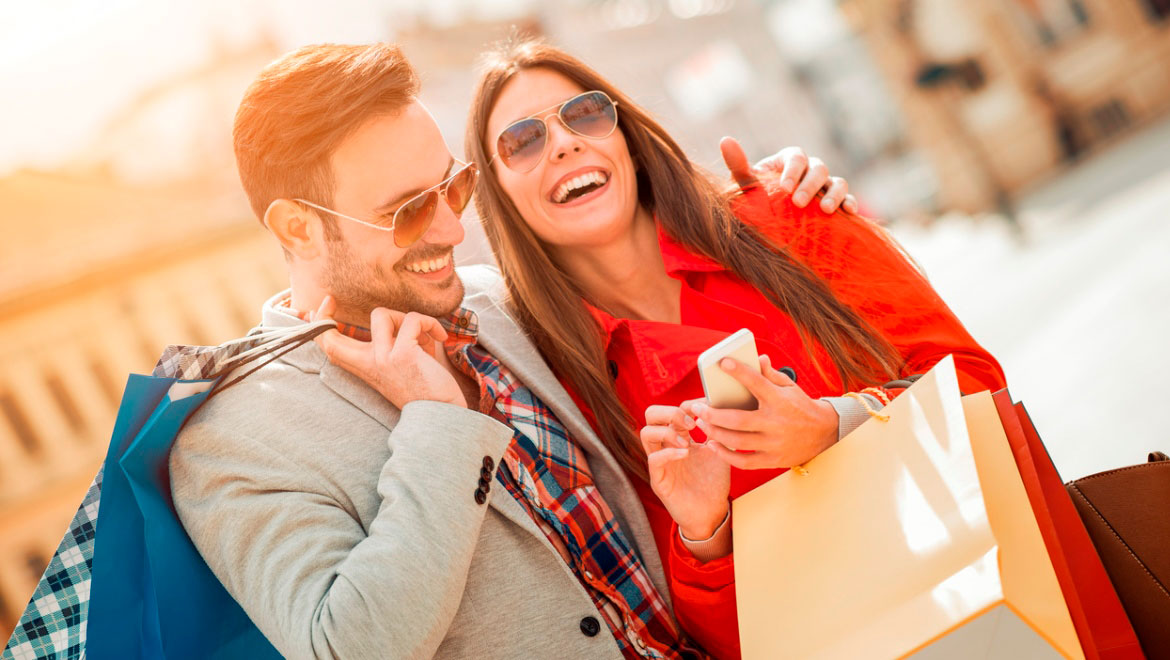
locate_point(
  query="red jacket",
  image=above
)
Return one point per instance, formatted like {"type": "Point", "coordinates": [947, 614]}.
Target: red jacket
{"type": "Point", "coordinates": [654, 363]}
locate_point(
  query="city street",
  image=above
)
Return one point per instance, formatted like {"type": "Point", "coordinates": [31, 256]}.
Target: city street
{"type": "Point", "coordinates": [1078, 312]}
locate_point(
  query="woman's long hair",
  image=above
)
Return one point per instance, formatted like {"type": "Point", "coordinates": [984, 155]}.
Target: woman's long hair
{"type": "Point", "coordinates": [690, 207]}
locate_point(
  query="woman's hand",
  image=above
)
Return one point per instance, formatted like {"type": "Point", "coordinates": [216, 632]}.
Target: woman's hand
{"type": "Point", "coordinates": [801, 175]}
{"type": "Point", "coordinates": [788, 428]}
{"type": "Point", "coordinates": [399, 361]}
{"type": "Point", "coordinates": [691, 479]}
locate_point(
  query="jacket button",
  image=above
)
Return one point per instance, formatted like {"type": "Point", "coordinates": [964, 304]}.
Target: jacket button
{"type": "Point", "coordinates": [489, 463]}
{"type": "Point", "coordinates": [484, 484]}
{"type": "Point", "coordinates": [480, 496]}
{"type": "Point", "coordinates": [485, 473]}
{"type": "Point", "coordinates": [613, 369]}
{"type": "Point", "coordinates": [590, 626]}
{"type": "Point", "coordinates": [788, 371]}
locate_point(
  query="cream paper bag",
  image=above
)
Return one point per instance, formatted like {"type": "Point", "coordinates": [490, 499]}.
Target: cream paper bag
{"type": "Point", "coordinates": [910, 537]}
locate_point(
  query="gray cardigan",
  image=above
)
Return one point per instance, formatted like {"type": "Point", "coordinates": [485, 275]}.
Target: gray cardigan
{"type": "Point", "coordinates": [348, 528]}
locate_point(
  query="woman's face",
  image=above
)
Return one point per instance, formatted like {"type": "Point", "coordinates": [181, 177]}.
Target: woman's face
{"type": "Point", "coordinates": [558, 212]}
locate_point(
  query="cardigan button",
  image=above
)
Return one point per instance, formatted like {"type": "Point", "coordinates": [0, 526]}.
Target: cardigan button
{"type": "Point", "coordinates": [489, 463]}
{"type": "Point", "coordinates": [590, 626]}
{"type": "Point", "coordinates": [480, 495]}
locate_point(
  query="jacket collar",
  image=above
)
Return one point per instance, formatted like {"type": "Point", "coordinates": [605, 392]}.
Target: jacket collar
{"type": "Point", "coordinates": [679, 260]}
{"type": "Point", "coordinates": [310, 359]}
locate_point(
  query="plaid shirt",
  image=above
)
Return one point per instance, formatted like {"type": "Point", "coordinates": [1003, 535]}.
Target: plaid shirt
{"type": "Point", "coordinates": [545, 470]}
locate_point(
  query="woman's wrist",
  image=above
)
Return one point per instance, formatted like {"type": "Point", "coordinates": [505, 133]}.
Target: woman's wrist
{"type": "Point", "coordinates": [714, 546]}
{"type": "Point", "coordinates": [696, 532]}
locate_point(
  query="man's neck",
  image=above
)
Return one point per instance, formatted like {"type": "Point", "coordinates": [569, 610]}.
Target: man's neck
{"type": "Point", "coordinates": [307, 298]}
{"type": "Point", "coordinates": [628, 277]}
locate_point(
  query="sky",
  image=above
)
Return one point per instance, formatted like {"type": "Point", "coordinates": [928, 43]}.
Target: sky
{"type": "Point", "coordinates": [69, 65]}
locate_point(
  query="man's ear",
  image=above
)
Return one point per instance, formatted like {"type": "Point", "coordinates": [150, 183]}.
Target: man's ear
{"type": "Point", "coordinates": [298, 229]}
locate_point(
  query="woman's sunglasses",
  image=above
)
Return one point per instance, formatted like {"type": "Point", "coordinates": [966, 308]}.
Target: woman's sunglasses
{"type": "Point", "coordinates": [522, 143]}
{"type": "Point", "coordinates": [411, 220]}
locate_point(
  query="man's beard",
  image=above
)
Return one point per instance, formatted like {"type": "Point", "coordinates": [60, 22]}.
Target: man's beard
{"type": "Point", "coordinates": [358, 288]}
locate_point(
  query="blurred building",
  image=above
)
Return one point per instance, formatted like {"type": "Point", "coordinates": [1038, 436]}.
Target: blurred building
{"type": "Point", "coordinates": [1001, 94]}
{"type": "Point", "coordinates": [704, 68]}
{"type": "Point", "coordinates": [144, 239]}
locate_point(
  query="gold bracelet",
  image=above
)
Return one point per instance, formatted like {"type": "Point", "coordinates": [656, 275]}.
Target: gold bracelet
{"type": "Point", "coordinates": [868, 408]}
{"type": "Point", "coordinates": [879, 394]}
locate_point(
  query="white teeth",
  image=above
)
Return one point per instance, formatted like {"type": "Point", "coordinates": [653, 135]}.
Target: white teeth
{"type": "Point", "coordinates": [578, 182]}
{"type": "Point", "coordinates": [430, 265]}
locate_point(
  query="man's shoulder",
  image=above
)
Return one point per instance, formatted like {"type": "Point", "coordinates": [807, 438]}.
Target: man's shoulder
{"type": "Point", "coordinates": [481, 278]}
{"type": "Point", "coordinates": [274, 406]}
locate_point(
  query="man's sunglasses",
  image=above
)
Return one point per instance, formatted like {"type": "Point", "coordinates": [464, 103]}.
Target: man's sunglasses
{"type": "Point", "coordinates": [522, 143]}
{"type": "Point", "coordinates": [411, 220]}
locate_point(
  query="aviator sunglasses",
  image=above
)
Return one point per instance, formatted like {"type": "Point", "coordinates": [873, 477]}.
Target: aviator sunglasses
{"type": "Point", "coordinates": [411, 220]}
{"type": "Point", "coordinates": [522, 143]}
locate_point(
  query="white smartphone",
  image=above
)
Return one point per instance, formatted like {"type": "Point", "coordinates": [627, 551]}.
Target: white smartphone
{"type": "Point", "coordinates": [722, 390]}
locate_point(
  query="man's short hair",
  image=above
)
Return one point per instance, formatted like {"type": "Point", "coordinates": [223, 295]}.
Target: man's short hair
{"type": "Point", "coordinates": [302, 106]}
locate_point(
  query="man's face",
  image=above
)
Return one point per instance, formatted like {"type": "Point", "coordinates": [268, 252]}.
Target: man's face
{"type": "Point", "coordinates": [379, 167]}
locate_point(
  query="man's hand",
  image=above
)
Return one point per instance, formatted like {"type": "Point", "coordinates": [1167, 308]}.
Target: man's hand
{"type": "Point", "coordinates": [399, 361]}
{"type": "Point", "coordinates": [788, 428]}
{"type": "Point", "coordinates": [801, 175]}
{"type": "Point", "coordinates": [691, 479]}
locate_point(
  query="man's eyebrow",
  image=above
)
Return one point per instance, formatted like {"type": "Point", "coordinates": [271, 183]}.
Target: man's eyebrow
{"type": "Point", "coordinates": [405, 197]}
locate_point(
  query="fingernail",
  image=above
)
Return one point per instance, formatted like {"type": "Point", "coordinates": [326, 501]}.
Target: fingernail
{"type": "Point", "coordinates": [826, 206]}
{"type": "Point", "coordinates": [703, 425]}
{"type": "Point", "coordinates": [800, 198]}
{"type": "Point", "coordinates": [787, 185]}
{"type": "Point", "coordinates": [727, 363]}
{"type": "Point", "coordinates": [689, 422]}
{"type": "Point", "coordinates": [698, 408]}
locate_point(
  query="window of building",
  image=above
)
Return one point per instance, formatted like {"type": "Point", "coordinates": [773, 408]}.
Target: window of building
{"type": "Point", "coordinates": [1054, 21]}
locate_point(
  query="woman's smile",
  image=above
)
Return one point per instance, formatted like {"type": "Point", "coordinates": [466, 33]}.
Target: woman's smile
{"type": "Point", "coordinates": [580, 186]}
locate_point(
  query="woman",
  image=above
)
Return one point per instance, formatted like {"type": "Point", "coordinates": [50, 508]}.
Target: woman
{"type": "Point", "coordinates": [624, 262]}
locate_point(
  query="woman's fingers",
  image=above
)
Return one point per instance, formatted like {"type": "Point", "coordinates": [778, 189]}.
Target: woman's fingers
{"type": "Point", "coordinates": [737, 162]}
{"type": "Point", "coordinates": [835, 194]}
{"type": "Point", "coordinates": [850, 203]}
{"type": "Point", "coordinates": [738, 440]}
{"type": "Point", "coordinates": [814, 179]}
{"type": "Point", "coordinates": [673, 416]}
{"type": "Point", "coordinates": [728, 418]}
{"type": "Point", "coordinates": [763, 389]}
{"type": "Point", "coordinates": [771, 373]}
{"type": "Point", "coordinates": [743, 461]}
{"type": "Point", "coordinates": [655, 438]}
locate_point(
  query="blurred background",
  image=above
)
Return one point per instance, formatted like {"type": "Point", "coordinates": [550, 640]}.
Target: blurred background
{"type": "Point", "coordinates": [1020, 149]}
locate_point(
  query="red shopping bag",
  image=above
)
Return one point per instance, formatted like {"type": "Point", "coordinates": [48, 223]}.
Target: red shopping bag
{"type": "Point", "coordinates": [1102, 626]}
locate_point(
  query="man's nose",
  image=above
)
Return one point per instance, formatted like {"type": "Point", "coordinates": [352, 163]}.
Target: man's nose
{"type": "Point", "coordinates": [446, 228]}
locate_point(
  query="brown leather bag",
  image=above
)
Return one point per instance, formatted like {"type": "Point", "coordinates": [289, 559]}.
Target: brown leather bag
{"type": "Point", "coordinates": [1127, 513]}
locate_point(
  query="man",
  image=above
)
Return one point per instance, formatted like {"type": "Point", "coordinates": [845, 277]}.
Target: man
{"type": "Point", "coordinates": [396, 514]}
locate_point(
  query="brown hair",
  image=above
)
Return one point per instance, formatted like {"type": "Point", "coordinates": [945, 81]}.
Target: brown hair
{"type": "Point", "coordinates": [302, 106]}
{"type": "Point", "coordinates": [691, 208]}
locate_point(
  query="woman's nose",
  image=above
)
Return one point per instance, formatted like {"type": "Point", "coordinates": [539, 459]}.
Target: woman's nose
{"type": "Point", "coordinates": [562, 141]}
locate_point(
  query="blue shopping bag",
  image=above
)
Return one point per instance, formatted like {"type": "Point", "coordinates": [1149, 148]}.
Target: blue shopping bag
{"type": "Point", "coordinates": [152, 595]}
{"type": "Point", "coordinates": [129, 583]}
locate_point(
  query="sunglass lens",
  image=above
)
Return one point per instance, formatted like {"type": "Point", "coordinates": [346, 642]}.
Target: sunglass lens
{"type": "Point", "coordinates": [460, 188]}
{"type": "Point", "coordinates": [591, 114]}
{"type": "Point", "coordinates": [521, 144]}
{"type": "Point", "coordinates": [414, 218]}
